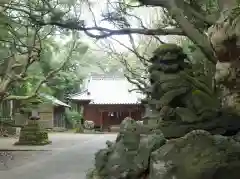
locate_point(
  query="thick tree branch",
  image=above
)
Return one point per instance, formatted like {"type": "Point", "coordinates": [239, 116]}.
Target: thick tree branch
{"type": "Point", "coordinates": [103, 32]}
{"type": "Point", "coordinates": [7, 78]}
{"type": "Point", "coordinates": [186, 27]}
{"type": "Point", "coordinates": [198, 15]}
{"type": "Point", "coordinates": [196, 36]}
{"type": "Point", "coordinates": [200, 39]}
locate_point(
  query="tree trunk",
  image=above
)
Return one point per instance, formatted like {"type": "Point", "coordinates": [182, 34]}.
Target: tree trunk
{"type": "Point", "coordinates": [225, 39]}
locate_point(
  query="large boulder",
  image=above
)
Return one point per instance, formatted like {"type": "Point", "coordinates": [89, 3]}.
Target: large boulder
{"type": "Point", "coordinates": [129, 156]}
{"type": "Point", "coordinates": [197, 155]}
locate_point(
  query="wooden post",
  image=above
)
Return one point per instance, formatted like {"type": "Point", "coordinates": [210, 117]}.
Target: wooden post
{"type": "Point", "coordinates": [101, 120]}
{"type": "Point", "coordinates": [11, 109]}
{"type": "Point", "coordinates": [130, 113]}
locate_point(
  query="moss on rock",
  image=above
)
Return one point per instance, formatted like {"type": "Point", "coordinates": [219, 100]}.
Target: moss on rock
{"type": "Point", "coordinates": [129, 156]}
{"type": "Point", "coordinates": [197, 155]}
{"type": "Point", "coordinates": [164, 48]}
{"type": "Point", "coordinates": [92, 174]}
{"type": "Point", "coordinates": [32, 134]}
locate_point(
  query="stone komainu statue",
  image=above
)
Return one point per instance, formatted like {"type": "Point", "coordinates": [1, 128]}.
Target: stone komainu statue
{"type": "Point", "coordinates": [173, 89]}
{"type": "Point", "coordinates": [182, 98]}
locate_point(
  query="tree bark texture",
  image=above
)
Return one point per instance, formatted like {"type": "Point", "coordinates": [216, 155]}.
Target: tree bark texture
{"type": "Point", "coordinates": [225, 39]}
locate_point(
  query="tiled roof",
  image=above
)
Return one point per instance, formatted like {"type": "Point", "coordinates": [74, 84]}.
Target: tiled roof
{"type": "Point", "coordinates": [109, 90]}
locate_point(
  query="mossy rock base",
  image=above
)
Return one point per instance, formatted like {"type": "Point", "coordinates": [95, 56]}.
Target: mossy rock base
{"type": "Point", "coordinates": [32, 134]}
{"type": "Point", "coordinates": [197, 155]}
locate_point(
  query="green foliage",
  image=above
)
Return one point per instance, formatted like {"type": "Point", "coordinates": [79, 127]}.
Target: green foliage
{"type": "Point", "coordinates": [73, 116]}
{"type": "Point", "coordinates": [26, 106]}
{"type": "Point", "coordinates": [76, 119]}
{"type": "Point", "coordinates": [37, 51]}
{"type": "Point", "coordinates": [67, 81]}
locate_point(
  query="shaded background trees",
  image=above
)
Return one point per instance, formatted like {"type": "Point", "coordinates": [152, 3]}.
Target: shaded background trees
{"type": "Point", "coordinates": [186, 22]}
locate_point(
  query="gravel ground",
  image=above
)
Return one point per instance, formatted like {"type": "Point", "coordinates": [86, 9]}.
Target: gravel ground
{"type": "Point", "coordinates": [69, 157]}
{"type": "Point", "coordinates": [22, 157]}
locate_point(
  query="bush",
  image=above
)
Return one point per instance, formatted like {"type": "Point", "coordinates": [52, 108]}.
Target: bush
{"type": "Point", "coordinates": [73, 116]}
